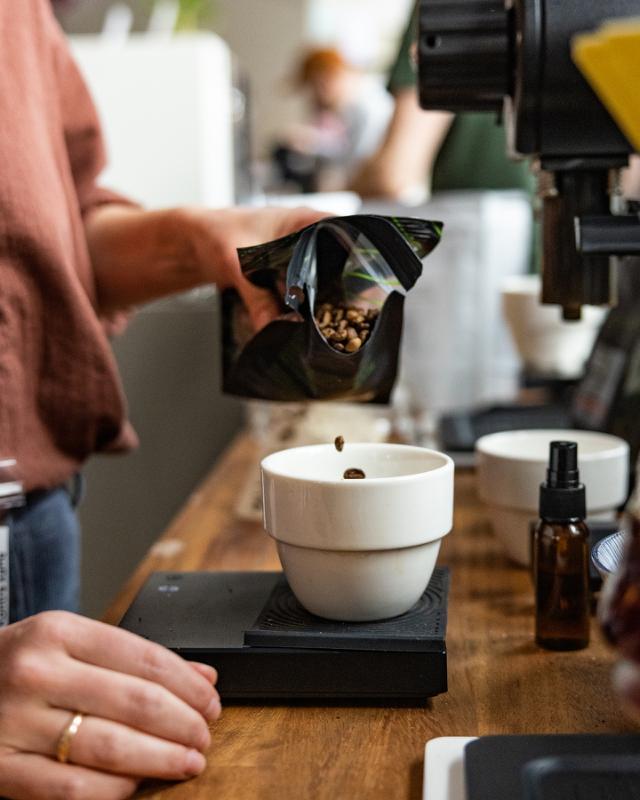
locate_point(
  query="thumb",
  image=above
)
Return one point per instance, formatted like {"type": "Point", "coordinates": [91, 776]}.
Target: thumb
{"type": "Point", "coordinates": [260, 303]}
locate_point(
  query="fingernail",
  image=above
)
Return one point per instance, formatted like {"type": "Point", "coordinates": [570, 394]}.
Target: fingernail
{"type": "Point", "coordinates": [213, 710]}
{"type": "Point", "coordinates": [195, 762]}
{"type": "Point", "coordinates": [205, 740]}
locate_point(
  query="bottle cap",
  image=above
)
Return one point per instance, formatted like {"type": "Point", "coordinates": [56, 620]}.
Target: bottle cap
{"type": "Point", "coordinates": [562, 496]}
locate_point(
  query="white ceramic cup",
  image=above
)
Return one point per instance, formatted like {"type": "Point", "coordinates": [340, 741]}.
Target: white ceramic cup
{"type": "Point", "coordinates": [511, 466]}
{"type": "Point", "coordinates": [546, 343]}
{"type": "Point", "coordinates": [363, 549]}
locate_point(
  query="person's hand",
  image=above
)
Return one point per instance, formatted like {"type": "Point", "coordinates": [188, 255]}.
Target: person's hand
{"type": "Point", "coordinates": [146, 710]}
{"type": "Point", "coordinates": [138, 256]}
{"type": "Point", "coordinates": [217, 235]}
{"type": "Point", "coordinates": [380, 177]}
{"type": "Point", "coordinates": [402, 166]}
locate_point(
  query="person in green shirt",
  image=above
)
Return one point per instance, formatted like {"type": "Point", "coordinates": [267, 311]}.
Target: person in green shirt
{"type": "Point", "coordinates": [465, 151]}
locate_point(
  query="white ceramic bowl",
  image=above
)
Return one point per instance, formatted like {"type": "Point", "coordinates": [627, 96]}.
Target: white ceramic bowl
{"type": "Point", "coordinates": [546, 343]}
{"type": "Point", "coordinates": [358, 550]}
{"type": "Point", "coordinates": [512, 465]}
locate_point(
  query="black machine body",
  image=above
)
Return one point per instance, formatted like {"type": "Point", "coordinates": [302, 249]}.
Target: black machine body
{"type": "Point", "coordinates": [513, 58]}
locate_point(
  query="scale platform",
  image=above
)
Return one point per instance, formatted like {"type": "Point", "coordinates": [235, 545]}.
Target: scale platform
{"type": "Point", "coordinates": [268, 648]}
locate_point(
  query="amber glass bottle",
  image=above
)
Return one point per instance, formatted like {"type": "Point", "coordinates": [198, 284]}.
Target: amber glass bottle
{"type": "Point", "coordinates": [561, 555]}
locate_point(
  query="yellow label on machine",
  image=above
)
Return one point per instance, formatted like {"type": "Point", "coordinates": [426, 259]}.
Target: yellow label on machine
{"type": "Point", "coordinates": [610, 60]}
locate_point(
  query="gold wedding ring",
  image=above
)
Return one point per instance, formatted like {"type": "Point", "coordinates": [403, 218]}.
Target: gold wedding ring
{"type": "Point", "coordinates": [66, 738]}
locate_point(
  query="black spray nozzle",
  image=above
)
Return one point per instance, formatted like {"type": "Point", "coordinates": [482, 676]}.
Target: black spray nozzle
{"type": "Point", "coordinates": [562, 472]}
{"type": "Point", "coordinates": [562, 496]}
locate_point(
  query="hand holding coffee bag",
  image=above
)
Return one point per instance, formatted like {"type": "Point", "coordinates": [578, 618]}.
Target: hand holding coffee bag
{"type": "Point", "coordinates": [341, 284]}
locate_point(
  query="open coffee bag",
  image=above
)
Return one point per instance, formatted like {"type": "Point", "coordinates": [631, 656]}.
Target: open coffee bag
{"type": "Point", "coordinates": [340, 284]}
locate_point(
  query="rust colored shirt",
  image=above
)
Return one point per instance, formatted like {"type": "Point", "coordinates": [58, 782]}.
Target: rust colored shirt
{"type": "Point", "coordinates": [60, 395]}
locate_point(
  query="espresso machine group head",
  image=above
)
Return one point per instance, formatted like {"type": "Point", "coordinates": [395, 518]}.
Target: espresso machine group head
{"type": "Point", "coordinates": [513, 57]}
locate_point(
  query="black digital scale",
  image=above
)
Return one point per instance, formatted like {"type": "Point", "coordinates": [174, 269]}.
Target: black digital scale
{"type": "Point", "coordinates": [267, 647]}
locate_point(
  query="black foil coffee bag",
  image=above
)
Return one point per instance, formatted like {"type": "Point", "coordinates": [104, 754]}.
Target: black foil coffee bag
{"type": "Point", "coordinates": [367, 262]}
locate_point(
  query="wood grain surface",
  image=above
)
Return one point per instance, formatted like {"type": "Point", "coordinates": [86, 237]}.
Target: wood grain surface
{"type": "Point", "coordinates": [499, 682]}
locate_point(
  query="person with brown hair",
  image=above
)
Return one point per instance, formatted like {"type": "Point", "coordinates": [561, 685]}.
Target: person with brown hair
{"type": "Point", "coordinates": [348, 115]}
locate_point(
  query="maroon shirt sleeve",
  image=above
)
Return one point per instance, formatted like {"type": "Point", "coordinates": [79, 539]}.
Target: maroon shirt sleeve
{"type": "Point", "coordinates": [85, 146]}
{"type": "Point", "coordinates": [82, 129]}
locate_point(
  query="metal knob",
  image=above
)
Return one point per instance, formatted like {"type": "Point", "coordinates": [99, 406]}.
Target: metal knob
{"type": "Point", "coordinates": [465, 59]}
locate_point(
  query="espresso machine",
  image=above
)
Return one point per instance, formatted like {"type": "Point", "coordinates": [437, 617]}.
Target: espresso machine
{"type": "Point", "coordinates": [513, 58]}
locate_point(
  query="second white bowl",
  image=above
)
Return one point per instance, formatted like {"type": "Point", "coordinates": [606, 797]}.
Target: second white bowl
{"type": "Point", "coordinates": [511, 466]}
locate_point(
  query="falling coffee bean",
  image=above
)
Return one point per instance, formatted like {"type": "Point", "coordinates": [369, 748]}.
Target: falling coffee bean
{"type": "Point", "coordinates": [353, 345]}
{"type": "Point", "coordinates": [353, 474]}
{"type": "Point", "coordinates": [339, 443]}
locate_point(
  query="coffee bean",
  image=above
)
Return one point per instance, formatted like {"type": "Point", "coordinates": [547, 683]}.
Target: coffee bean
{"type": "Point", "coordinates": [339, 443]}
{"type": "Point", "coordinates": [353, 345]}
{"type": "Point", "coordinates": [351, 333]}
{"type": "Point", "coordinates": [353, 474]}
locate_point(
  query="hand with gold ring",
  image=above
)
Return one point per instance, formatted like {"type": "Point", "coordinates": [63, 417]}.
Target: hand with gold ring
{"type": "Point", "coordinates": [66, 737]}
{"type": "Point", "coordinates": [88, 710]}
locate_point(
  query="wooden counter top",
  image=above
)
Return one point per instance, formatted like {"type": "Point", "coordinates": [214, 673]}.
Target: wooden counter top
{"type": "Point", "coordinates": [499, 682]}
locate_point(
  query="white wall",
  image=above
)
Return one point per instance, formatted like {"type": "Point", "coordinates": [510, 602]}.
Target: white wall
{"type": "Point", "coordinates": [165, 106]}
{"type": "Point", "coordinates": [365, 30]}
{"type": "Point", "coordinates": [268, 37]}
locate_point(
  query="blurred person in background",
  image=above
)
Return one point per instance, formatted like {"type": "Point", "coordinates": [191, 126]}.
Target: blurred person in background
{"type": "Point", "coordinates": [86, 710]}
{"type": "Point", "coordinates": [432, 151]}
{"type": "Point", "coordinates": [348, 114]}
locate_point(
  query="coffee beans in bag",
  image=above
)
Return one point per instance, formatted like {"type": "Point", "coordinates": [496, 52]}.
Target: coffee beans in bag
{"type": "Point", "coordinates": [340, 284]}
